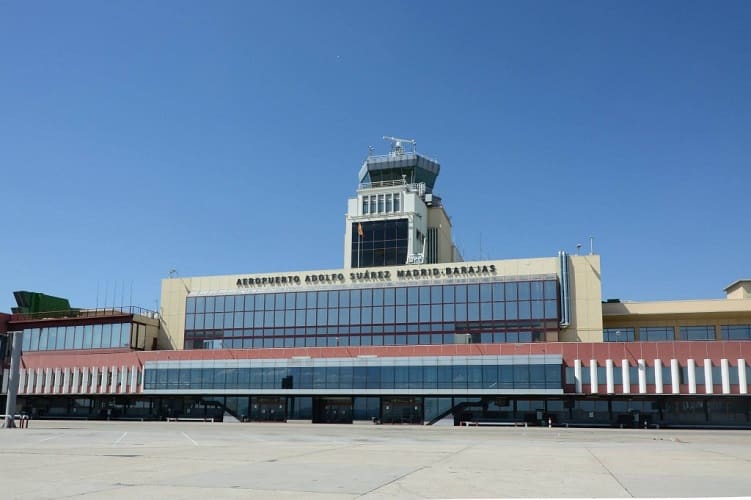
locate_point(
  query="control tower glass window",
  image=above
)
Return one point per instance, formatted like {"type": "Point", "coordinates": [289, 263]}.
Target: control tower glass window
{"type": "Point", "coordinates": [379, 243]}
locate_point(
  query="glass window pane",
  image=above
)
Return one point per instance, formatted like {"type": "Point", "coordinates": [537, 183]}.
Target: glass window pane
{"type": "Point", "coordinates": [473, 312]}
{"type": "Point", "coordinates": [70, 336]}
{"type": "Point", "coordinates": [96, 339]}
{"type": "Point", "coordinates": [511, 312]}
{"type": "Point", "coordinates": [537, 290]}
{"type": "Point", "coordinates": [125, 335]}
{"type": "Point", "coordinates": [60, 341]}
{"type": "Point", "coordinates": [87, 336]}
{"type": "Point", "coordinates": [50, 339]}
{"type": "Point", "coordinates": [239, 302]}
{"type": "Point", "coordinates": [114, 335]}
{"type": "Point", "coordinates": [498, 294]}
{"type": "Point", "coordinates": [448, 312]}
{"type": "Point", "coordinates": [551, 309]}
{"type": "Point", "coordinates": [43, 335]}
{"type": "Point", "coordinates": [106, 336]}
{"type": "Point", "coordinates": [551, 289]}
{"type": "Point", "coordinates": [209, 304]}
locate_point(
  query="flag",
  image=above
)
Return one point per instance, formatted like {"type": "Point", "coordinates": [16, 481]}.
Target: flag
{"type": "Point", "coordinates": [360, 232]}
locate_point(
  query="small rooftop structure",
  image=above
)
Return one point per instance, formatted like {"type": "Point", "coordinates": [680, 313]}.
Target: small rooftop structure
{"type": "Point", "coordinates": [739, 289]}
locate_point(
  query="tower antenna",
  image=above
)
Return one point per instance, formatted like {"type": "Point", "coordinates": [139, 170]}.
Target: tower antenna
{"type": "Point", "coordinates": [397, 145]}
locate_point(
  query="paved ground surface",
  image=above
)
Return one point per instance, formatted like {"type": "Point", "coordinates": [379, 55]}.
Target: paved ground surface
{"type": "Point", "coordinates": [203, 460]}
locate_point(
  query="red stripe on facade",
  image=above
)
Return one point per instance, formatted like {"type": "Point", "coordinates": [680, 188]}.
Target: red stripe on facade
{"type": "Point", "coordinates": [649, 351]}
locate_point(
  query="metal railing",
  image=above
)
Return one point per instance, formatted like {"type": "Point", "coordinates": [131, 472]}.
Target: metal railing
{"type": "Point", "coordinates": [416, 187]}
{"type": "Point", "coordinates": [380, 184]}
{"type": "Point", "coordinates": [86, 313]}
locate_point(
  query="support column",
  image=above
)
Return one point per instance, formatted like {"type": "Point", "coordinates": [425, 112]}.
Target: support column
{"type": "Point", "coordinates": [641, 367]}
{"type": "Point", "coordinates": [658, 376]}
{"type": "Point", "coordinates": [94, 380]}
{"type": "Point", "coordinates": [30, 380]}
{"type": "Point", "coordinates": [708, 382]}
{"type": "Point", "coordinates": [742, 379]}
{"type": "Point", "coordinates": [609, 376]}
{"type": "Point", "coordinates": [593, 376]}
{"type": "Point", "coordinates": [85, 372]}
{"type": "Point", "coordinates": [48, 381]}
{"type": "Point", "coordinates": [66, 381]}
{"type": "Point", "coordinates": [626, 376]}
{"type": "Point", "coordinates": [691, 376]}
{"type": "Point", "coordinates": [22, 381]}
{"type": "Point", "coordinates": [578, 376]}
{"type": "Point", "coordinates": [725, 374]}
{"type": "Point", "coordinates": [103, 380]}
{"type": "Point", "coordinates": [133, 379]}
{"type": "Point", "coordinates": [56, 386]}
{"type": "Point", "coordinates": [113, 380]}
{"type": "Point", "coordinates": [675, 376]}
{"type": "Point", "coordinates": [75, 387]}
{"type": "Point", "coordinates": [39, 381]}
{"type": "Point", "coordinates": [123, 379]}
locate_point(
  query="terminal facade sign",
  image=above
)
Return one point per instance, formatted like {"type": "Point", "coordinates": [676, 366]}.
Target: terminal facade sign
{"type": "Point", "coordinates": [366, 275]}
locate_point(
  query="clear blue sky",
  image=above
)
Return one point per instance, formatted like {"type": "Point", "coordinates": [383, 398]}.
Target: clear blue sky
{"type": "Point", "coordinates": [225, 137]}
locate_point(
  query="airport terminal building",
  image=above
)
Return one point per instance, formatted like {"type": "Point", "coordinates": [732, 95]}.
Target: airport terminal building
{"type": "Point", "coordinates": [405, 332]}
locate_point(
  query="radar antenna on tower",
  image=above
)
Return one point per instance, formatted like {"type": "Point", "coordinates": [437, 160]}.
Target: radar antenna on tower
{"type": "Point", "coordinates": [397, 145]}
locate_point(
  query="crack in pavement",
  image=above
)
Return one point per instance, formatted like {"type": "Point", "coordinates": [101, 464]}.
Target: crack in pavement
{"type": "Point", "coordinates": [610, 472]}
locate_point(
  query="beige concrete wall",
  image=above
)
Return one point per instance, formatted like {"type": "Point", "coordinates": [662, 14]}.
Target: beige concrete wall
{"type": "Point", "coordinates": [586, 295]}
{"type": "Point", "coordinates": [438, 219]}
{"type": "Point", "coordinates": [677, 313]}
{"type": "Point", "coordinates": [676, 308]}
{"type": "Point", "coordinates": [586, 299]}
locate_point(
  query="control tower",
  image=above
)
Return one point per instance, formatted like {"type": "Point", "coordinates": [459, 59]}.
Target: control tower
{"type": "Point", "coordinates": [396, 219]}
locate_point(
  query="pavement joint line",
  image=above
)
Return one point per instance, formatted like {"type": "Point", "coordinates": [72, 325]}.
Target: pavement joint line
{"type": "Point", "coordinates": [48, 439]}
{"type": "Point", "coordinates": [119, 439]}
{"type": "Point", "coordinates": [115, 486]}
{"type": "Point", "coordinates": [314, 452]}
{"type": "Point", "coordinates": [398, 478]}
{"type": "Point", "coordinates": [726, 455]}
{"type": "Point", "coordinates": [609, 472]}
{"type": "Point", "coordinates": [426, 466]}
{"type": "Point", "coordinates": [190, 438]}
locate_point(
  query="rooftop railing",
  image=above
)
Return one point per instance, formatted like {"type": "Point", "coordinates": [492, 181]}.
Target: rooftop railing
{"type": "Point", "coordinates": [418, 187]}
{"type": "Point", "coordinates": [86, 313]}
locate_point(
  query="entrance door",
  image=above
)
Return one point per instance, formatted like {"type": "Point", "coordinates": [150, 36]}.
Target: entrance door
{"type": "Point", "coordinates": [403, 410]}
{"type": "Point", "coordinates": [268, 409]}
{"type": "Point", "coordinates": [332, 410]}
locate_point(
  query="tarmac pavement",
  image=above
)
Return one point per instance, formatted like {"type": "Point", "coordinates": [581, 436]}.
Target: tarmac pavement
{"type": "Point", "coordinates": [62, 459]}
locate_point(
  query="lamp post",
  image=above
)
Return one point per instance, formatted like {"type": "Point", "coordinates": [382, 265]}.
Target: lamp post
{"type": "Point", "coordinates": [15, 368]}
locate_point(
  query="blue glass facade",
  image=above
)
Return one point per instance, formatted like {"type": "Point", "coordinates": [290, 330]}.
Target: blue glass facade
{"type": "Point", "coordinates": [480, 312]}
{"type": "Point", "coordinates": [424, 375]}
{"type": "Point", "coordinates": [61, 338]}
